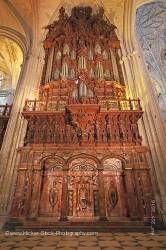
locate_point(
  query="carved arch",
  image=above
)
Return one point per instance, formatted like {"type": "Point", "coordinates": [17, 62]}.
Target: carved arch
{"type": "Point", "coordinates": [53, 162]}
{"type": "Point", "coordinates": [83, 156]}
{"type": "Point", "coordinates": [114, 163]}
{"type": "Point", "coordinates": [119, 157]}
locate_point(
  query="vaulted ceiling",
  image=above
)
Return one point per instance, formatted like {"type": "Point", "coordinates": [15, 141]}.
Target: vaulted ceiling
{"type": "Point", "coordinates": [11, 58]}
{"type": "Point", "coordinates": [151, 32]}
{"type": "Point", "coordinates": [29, 18]}
{"type": "Point", "coordinates": [34, 15]}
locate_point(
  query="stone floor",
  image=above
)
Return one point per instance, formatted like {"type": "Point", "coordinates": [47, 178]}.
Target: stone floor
{"type": "Point", "coordinates": [82, 241]}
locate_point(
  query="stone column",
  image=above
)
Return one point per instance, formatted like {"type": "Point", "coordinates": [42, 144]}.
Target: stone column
{"type": "Point", "coordinates": [26, 89]}
{"type": "Point", "coordinates": [64, 199]}
{"type": "Point", "coordinates": [152, 126]}
{"type": "Point", "coordinates": [102, 205]}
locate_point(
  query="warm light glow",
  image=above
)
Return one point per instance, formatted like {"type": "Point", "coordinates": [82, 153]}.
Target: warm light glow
{"type": "Point", "coordinates": [11, 58]}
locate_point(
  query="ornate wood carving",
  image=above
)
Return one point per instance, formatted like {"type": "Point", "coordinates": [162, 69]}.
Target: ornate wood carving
{"type": "Point", "coordinates": [83, 154]}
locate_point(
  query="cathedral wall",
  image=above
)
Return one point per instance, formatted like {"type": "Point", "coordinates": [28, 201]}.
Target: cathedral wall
{"type": "Point", "coordinates": [152, 126]}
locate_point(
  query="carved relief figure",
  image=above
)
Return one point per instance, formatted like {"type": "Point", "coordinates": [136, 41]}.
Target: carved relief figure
{"type": "Point", "coordinates": [83, 197]}
{"type": "Point", "coordinates": [112, 195]}
{"type": "Point", "coordinates": [53, 195]}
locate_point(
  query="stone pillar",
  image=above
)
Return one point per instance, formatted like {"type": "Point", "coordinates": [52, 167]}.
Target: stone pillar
{"type": "Point", "coordinates": [64, 199]}
{"type": "Point", "coordinates": [102, 205]}
{"type": "Point", "coordinates": [152, 126]}
{"type": "Point", "coordinates": [26, 89]}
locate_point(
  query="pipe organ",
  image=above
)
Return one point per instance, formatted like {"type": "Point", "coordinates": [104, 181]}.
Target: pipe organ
{"type": "Point", "coordinates": [83, 155]}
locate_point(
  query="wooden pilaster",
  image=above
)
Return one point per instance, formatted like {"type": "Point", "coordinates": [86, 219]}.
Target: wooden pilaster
{"type": "Point", "coordinates": [102, 204]}
{"type": "Point", "coordinates": [64, 200]}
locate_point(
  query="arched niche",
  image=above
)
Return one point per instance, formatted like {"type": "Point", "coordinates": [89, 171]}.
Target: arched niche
{"type": "Point", "coordinates": [51, 187]}
{"type": "Point", "coordinates": [114, 165]}
{"type": "Point", "coordinates": [114, 187]}
{"type": "Point", "coordinates": [83, 187]}
{"type": "Point", "coordinates": [51, 163]}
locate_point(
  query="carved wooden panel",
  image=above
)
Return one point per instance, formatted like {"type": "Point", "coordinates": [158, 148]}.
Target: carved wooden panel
{"type": "Point", "coordinates": [83, 180]}
{"type": "Point", "coordinates": [114, 187]}
{"type": "Point", "coordinates": [51, 188]}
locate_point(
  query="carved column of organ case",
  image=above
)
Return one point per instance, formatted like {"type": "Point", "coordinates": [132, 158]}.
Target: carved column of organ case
{"type": "Point", "coordinates": [83, 154]}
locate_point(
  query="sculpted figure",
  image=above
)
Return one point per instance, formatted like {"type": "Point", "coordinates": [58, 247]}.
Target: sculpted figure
{"type": "Point", "coordinates": [108, 132]}
{"type": "Point", "coordinates": [134, 130]}
{"type": "Point", "coordinates": [20, 207]}
{"type": "Point", "coordinates": [53, 195]}
{"type": "Point", "coordinates": [68, 134]}
{"type": "Point", "coordinates": [103, 135]}
{"type": "Point", "coordinates": [74, 136]}
{"type": "Point", "coordinates": [83, 197]}
{"type": "Point", "coordinates": [79, 135]}
{"type": "Point", "coordinates": [90, 135]}
{"type": "Point", "coordinates": [31, 132]}
{"type": "Point", "coordinates": [122, 130]}
{"type": "Point", "coordinates": [44, 134]}
{"type": "Point", "coordinates": [62, 135]}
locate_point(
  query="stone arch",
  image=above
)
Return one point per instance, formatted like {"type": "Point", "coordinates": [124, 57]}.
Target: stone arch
{"type": "Point", "coordinates": [142, 2]}
{"type": "Point", "coordinates": [11, 62]}
{"type": "Point", "coordinates": [19, 40]}
{"type": "Point", "coordinates": [16, 37]}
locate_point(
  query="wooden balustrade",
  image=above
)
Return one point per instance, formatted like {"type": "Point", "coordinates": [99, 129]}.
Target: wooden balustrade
{"type": "Point", "coordinates": [106, 105]}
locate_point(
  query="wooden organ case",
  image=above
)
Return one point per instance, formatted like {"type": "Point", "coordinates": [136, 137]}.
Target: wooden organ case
{"type": "Point", "coordinates": [83, 157]}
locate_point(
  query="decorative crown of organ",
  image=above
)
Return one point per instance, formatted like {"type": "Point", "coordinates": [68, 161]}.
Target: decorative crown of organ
{"type": "Point", "coordinates": [82, 58]}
